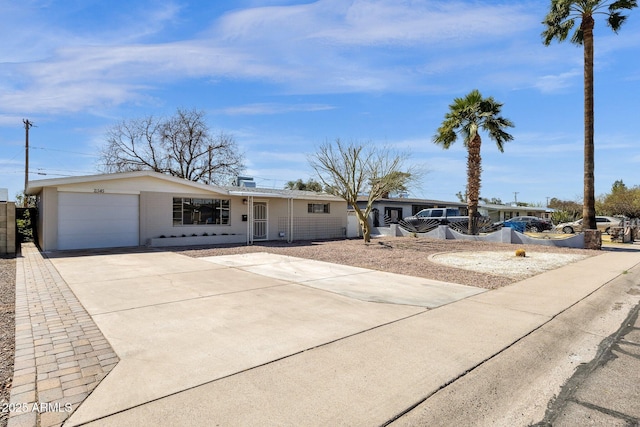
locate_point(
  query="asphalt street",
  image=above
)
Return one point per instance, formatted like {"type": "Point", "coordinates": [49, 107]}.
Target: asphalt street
{"type": "Point", "coordinates": [605, 391]}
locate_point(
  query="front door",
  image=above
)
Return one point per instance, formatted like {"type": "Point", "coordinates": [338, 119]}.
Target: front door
{"type": "Point", "coordinates": [260, 221]}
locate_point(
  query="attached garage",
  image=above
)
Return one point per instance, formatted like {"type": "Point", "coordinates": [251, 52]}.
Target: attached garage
{"type": "Point", "coordinates": [88, 220]}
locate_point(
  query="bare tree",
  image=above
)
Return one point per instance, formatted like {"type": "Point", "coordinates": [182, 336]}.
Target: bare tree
{"type": "Point", "coordinates": [357, 169]}
{"type": "Point", "coordinates": [181, 145]}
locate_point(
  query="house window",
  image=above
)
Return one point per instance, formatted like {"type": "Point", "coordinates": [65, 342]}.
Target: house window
{"type": "Point", "coordinates": [188, 211]}
{"type": "Point", "coordinates": [318, 208]}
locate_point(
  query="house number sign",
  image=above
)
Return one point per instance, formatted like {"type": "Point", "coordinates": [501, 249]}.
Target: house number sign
{"type": "Point", "coordinates": [98, 190]}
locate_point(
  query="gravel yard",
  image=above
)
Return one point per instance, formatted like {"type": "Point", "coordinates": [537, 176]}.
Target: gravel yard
{"type": "Point", "coordinates": [418, 256]}
{"type": "Point", "coordinates": [504, 263]}
{"type": "Point", "coordinates": [7, 330]}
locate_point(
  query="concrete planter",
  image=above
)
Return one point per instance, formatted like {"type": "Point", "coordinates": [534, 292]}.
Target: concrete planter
{"type": "Point", "coordinates": [504, 235]}
{"type": "Point", "coordinates": [219, 239]}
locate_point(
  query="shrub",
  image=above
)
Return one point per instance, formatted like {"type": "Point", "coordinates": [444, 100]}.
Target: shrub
{"type": "Point", "coordinates": [559, 217]}
{"type": "Point", "coordinates": [25, 227]}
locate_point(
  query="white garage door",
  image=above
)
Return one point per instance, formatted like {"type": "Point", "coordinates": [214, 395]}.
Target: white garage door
{"type": "Point", "coordinates": [87, 220]}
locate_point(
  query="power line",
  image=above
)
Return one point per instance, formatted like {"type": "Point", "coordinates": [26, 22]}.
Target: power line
{"type": "Point", "coordinates": [18, 152]}
{"type": "Point", "coordinates": [65, 151]}
{"type": "Point", "coordinates": [47, 171]}
{"type": "Point", "coordinates": [52, 174]}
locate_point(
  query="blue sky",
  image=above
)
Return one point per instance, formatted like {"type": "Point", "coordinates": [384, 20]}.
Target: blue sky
{"type": "Point", "coordinates": [284, 76]}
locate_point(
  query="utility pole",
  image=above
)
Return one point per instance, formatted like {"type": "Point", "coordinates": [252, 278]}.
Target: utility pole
{"type": "Point", "coordinates": [515, 197]}
{"type": "Point", "coordinates": [27, 126]}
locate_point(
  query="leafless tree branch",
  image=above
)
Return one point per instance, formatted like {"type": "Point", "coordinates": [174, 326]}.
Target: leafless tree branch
{"type": "Point", "coordinates": [181, 145]}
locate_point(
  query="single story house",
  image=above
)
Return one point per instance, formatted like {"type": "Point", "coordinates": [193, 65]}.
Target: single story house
{"type": "Point", "coordinates": [148, 208]}
{"type": "Point", "coordinates": [390, 210]}
{"type": "Point", "coordinates": [504, 212]}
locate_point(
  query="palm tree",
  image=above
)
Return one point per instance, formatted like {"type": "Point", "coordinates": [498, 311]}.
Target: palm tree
{"type": "Point", "coordinates": [468, 116]}
{"type": "Point", "coordinates": [310, 185]}
{"type": "Point", "coordinates": [559, 22]}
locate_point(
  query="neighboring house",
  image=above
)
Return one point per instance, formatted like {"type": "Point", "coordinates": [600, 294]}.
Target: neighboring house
{"type": "Point", "coordinates": [504, 212]}
{"type": "Point", "coordinates": [390, 210]}
{"type": "Point", "coordinates": [149, 208]}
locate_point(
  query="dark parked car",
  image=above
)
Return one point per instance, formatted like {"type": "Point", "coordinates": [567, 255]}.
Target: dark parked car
{"type": "Point", "coordinates": [532, 223]}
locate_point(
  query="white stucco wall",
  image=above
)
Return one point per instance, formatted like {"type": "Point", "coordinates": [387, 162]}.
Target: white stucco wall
{"type": "Point", "coordinates": [156, 216]}
{"type": "Point", "coordinates": [48, 218]}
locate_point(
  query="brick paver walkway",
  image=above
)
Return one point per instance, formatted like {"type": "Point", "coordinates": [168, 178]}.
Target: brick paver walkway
{"type": "Point", "coordinates": [61, 355]}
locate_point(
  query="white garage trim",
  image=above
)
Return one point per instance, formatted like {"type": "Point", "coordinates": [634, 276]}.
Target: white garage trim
{"type": "Point", "coordinates": [88, 220]}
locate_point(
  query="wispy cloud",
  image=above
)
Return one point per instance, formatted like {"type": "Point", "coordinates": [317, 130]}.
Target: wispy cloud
{"type": "Point", "coordinates": [319, 47]}
{"type": "Point", "coordinates": [32, 30]}
{"type": "Point", "coordinates": [555, 83]}
{"type": "Point", "coordinates": [279, 158]}
{"type": "Point", "coordinates": [381, 22]}
{"type": "Point", "coordinates": [273, 108]}
{"type": "Point", "coordinates": [10, 120]}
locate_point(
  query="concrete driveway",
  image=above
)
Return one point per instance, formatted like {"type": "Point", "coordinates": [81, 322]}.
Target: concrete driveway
{"type": "Point", "coordinates": [182, 325]}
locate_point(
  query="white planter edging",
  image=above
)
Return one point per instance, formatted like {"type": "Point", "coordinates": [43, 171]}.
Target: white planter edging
{"type": "Point", "coordinates": [218, 239]}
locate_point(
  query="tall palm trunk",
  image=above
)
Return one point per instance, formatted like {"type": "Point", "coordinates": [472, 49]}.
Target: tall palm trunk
{"type": "Point", "coordinates": [589, 210]}
{"type": "Point", "coordinates": [474, 170]}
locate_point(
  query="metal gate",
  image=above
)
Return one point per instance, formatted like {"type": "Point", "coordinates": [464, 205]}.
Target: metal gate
{"type": "Point", "coordinates": [260, 221]}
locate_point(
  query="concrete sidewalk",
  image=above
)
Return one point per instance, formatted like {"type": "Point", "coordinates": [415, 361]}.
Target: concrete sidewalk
{"type": "Point", "coordinates": [269, 340]}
